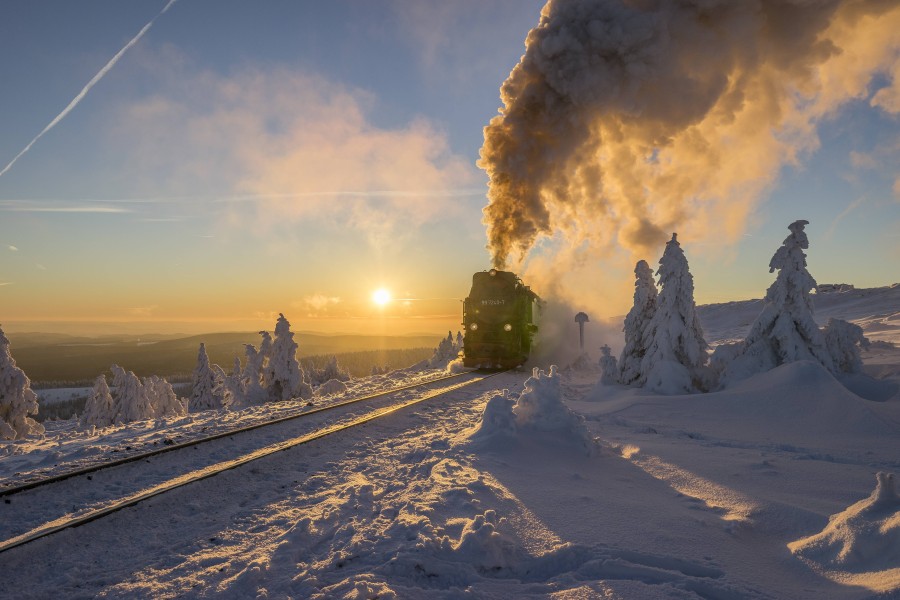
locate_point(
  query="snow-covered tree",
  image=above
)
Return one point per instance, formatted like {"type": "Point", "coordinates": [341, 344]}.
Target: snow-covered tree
{"type": "Point", "coordinates": [785, 331]}
{"type": "Point", "coordinates": [844, 340]}
{"type": "Point", "coordinates": [265, 351]}
{"type": "Point", "coordinates": [99, 410]}
{"type": "Point", "coordinates": [254, 392]}
{"type": "Point", "coordinates": [459, 342]}
{"type": "Point", "coordinates": [331, 370]}
{"type": "Point", "coordinates": [132, 403]}
{"type": "Point", "coordinates": [609, 372]}
{"type": "Point", "coordinates": [233, 393]}
{"type": "Point", "coordinates": [206, 388]}
{"type": "Point", "coordinates": [17, 399]}
{"type": "Point", "coordinates": [636, 322]}
{"type": "Point", "coordinates": [446, 351]}
{"type": "Point", "coordinates": [675, 354]}
{"type": "Point", "coordinates": [285, 377]}
{"type": "Point", "coordinates": [162, 398]}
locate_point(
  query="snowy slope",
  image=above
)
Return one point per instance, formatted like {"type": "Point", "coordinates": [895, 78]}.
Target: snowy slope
{"type": "Point", "coordinates": [751, 492]}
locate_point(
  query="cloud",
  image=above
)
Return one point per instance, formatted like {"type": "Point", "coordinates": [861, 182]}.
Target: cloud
{"type": "Point", "coordinates": [3, 283]}
{"type": "Point", "coordinates": [13, 248]}
{"type": "Point", "coordinates": [143, 312]}
{"type": "Point", "coordinates": [317, 304]}
{"type": "Point", "coordinates": [58, 206]}
{"type": "Point", "coordinates": [279, 147]}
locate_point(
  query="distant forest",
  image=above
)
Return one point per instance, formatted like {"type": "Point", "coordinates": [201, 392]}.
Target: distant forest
{"type": "Point", "coordinates": [67, 361]}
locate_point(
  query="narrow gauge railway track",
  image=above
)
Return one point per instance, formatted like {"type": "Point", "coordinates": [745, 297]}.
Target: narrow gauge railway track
{"type": "Point", "coordinates": [71, 520]}
{"type": "Point", "coordinates": [12, 490]}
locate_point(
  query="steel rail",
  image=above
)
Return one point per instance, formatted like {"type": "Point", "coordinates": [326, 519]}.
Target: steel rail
{"type": "Point", "coordinates": [10, 491]}
{"type": "Point", "coordinates": [69, 522]}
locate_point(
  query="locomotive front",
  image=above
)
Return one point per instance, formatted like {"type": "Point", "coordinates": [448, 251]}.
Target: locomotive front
{"type": "Point", "coordinates": [499, 320]}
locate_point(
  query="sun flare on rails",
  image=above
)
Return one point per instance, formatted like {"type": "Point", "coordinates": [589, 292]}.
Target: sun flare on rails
{"type": "Point", "coordinates": [381, 296]}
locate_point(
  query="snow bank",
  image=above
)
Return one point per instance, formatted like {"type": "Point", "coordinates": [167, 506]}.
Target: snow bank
{"type": "Point", "coordinates": [864, 538]}
{"type": "Point", "coordinates": [537, 413]}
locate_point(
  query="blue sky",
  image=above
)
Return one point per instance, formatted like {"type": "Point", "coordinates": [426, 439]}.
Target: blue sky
{"type": "Point", "coordinates": [244, 159]}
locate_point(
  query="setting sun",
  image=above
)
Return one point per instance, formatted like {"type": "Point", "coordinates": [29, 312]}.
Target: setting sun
{"type": "Point", "coordinates": [381, 297]}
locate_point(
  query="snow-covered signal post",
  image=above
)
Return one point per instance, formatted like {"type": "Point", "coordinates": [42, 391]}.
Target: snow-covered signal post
{"type": "Point", "coordinates": [499, 319]}
{"type": "Point", "coordinates": [581, 318]}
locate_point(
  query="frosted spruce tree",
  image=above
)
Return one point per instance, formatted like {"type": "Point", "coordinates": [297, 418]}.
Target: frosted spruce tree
{"type": "Point", "coordinates": [785, 331]}
{"type": "Point", "coordinates": [636, 322]}
{"type": "Point", "coordinates": [206, 388]}
{"type": "Point", "coordinates": [608, 368]}
{"type": "Point", "coordinates": [251, 380]}
{"type": "Point", "coordinates": [131, 400]}
{"type": "Point", "coordinates": [675, 356]}
{"type": "Point", "coordinates": [233, 391]}
{"type": "Point", "coordinates": [162, 398]}
{"type": "Point", "coordinates": [99, 410]}
{"type": "Point", "coordinates": [17, 399]}
{"type": "Point", "coordinates": [844, 340]}
{"type": "Point", "coordinates": [285, 379]}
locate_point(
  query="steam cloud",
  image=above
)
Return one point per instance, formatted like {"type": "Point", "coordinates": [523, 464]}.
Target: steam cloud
{"type": "Point", "coordinates": [626, 120]}
{"type": "Point", "coordinates": [94, 80]}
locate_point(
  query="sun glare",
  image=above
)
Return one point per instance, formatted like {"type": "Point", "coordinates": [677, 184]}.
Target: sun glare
{"type": "Point", "coordinates": [381, 297]}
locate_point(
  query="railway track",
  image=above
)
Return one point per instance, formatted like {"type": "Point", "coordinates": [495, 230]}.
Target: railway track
{"type": "Point", "coordinates": [41, 481]}
{"type": "Point", "coordinates": [198, 468]}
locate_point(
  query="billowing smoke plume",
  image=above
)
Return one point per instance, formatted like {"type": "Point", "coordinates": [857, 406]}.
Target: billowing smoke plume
{"type": "Point", "coordinates": [627, 120]}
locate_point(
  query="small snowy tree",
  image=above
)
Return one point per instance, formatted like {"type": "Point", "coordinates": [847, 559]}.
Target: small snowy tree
{"type": "Point", "coordinates": [251, 379]}
{"type": "Point", "coordinates": [99, 410]}
{"type": "Point", "coordinates": [608, 368]}
{"type": "Point", "coordinates": [285, 375]}
{"type": "Point", "coordinates": [131, 400]}
{"type": "Point", "coordinates": [17, 399]}
{"type": "Point", "coordinates": [785, 331]}
{"type": "Point", "coordinates": [331, 370]}
{"type": "Point", "coordinates": [265, 351]}
{"type": "Point", "coordinates": [205, 388]}
{"type": "Point", "coordinates": [843, 340]}
{"type": "Point", "coordinates": [446, 351]}
{"type": "Point", "coordinates": [162, 398]}
{"type": "Point", "coordinates": [676, 351]}
{"type": "Point", "coordinates": [233, 393]}
{"type": "Point", "coordinates": [636, 322]}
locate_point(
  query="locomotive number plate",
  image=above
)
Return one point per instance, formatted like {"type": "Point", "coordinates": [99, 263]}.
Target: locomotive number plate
{"type": "Point", "coordinates": [493, 302]}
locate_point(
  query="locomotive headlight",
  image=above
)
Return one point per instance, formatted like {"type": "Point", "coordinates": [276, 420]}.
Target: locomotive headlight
{"type": "Point", "coordinates": [474, 326]}
{"type": "Point", "coordinates": [507, 327]}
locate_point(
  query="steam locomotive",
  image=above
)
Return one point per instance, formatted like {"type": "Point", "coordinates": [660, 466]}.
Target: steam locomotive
{"type": "Point", "coordinates": [499, 318]}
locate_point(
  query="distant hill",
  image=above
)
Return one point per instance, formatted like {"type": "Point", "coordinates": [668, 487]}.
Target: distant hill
{"type": "Point", "coordinates": [59, 357]}
{"type": "Point", "coordinates": [876, 310]}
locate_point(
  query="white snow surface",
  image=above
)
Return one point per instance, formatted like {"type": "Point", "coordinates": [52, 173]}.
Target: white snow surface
{"type": "Point", "coordinates": [762, 490]}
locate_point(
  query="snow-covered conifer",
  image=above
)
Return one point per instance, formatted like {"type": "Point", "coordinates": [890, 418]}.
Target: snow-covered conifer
{"type": "Point", "coordinates": [17, 399]}
{"type": "Point", "coordinates": [265, 351]}
{"type": "Point", "coordinates": [233, 393]}
{"type": "Point", "coordinates": [785, 331]}
{"type": "Point", "coordinates": [459, 342]}
{"type": "Point", "coordinates": [445, 352]}
{"type": "Point", "coordinates": [132, 403]}
{"type": "Point", "coordinates": [285, 377]}
{"type": "Point", "coordinates": [162, 398]}
{"type": "Point", "coordinates": [99, 410]}
{"type": "Point", "coordinates": [251, 379]}
{"type": "Point", "coordinates": [609, 372]}
{"type": "Point", "coordinates": [843, 340]}
{"type": "Point", "coordinates": [636, 322]}
{"type": "Point", "coordinates": [675, 349]}
{"type": "Point", "coordinates": [205, 389]}
{"type": "Point", "coordinates": [331, 370]}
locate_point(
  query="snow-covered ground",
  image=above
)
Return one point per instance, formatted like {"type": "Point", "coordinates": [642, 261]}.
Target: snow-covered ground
{"type": "Point", "coordinates": [767, 489]}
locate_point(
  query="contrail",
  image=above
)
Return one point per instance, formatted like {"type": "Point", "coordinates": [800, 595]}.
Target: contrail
{"type": "Point", "coordinates": [112, 62]}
